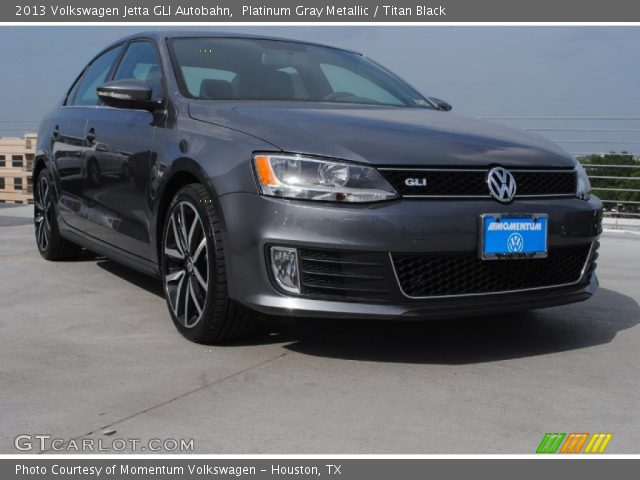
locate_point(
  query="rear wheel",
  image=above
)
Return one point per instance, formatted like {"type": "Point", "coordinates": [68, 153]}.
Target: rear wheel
{"type": "Point", "coordinates": [50, 244]}
{"type": "Point", "coordinates": [194, 274]}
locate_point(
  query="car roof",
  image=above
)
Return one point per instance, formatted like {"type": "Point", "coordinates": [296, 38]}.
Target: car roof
{"type": "Point", "coordinates": [161, 35]}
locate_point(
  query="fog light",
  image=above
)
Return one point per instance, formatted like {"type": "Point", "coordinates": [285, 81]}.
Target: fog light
{"type": "Point", "coordinates": [284, 264]}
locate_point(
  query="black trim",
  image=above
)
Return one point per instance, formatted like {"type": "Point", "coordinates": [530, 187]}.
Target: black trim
{"type": "Point", "coordinates": [106, 249]}
{"type": "Point", "coordinates": [153, 43]}
{"type": "Point", "coordinates": [69, 102]}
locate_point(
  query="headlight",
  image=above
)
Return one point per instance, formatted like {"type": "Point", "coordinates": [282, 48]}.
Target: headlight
{"type": "Point", "coordinates": [583, 190]}
{"type": "Point", "coordinates": [293, 176]}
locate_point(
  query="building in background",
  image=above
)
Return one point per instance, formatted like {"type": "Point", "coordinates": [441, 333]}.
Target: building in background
{"type": "Point", "coordinates": [16, 162]}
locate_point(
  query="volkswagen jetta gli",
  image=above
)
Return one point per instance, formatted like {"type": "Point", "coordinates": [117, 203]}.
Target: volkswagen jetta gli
{"type": "Point", "coordinates": [257, 175]}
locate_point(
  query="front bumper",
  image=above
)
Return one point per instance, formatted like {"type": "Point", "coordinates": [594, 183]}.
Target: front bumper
{"type": "Point", "coordinates": [252, 222]}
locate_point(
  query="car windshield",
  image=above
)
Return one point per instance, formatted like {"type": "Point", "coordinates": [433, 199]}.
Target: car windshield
{"type": "Point", "coordinates": [258, 69]}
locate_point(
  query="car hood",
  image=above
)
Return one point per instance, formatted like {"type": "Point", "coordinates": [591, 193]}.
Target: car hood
{"type": "Point", "coordinates": [383, 135]}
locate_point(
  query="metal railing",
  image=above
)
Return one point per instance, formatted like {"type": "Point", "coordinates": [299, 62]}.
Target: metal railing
{"type": "Point", "coordinates": [590, 166]}
{"type": "Point", "coordinates": [594, 140]}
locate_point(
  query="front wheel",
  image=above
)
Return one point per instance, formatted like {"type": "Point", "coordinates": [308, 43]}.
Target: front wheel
{"type": "Point", "coordinates": [194, 274]}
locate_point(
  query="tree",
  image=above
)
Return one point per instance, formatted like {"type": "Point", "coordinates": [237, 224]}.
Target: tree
{"type": "Point", "coordinates": [615, 190]}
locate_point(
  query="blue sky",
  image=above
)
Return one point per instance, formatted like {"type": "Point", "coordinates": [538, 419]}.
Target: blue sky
{"type": "Point", "coordinates": [480, 70]}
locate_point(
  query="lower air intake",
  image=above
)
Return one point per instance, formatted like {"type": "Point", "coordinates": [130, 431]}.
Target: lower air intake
{"type": "Point", "coordinates": [465, 274]}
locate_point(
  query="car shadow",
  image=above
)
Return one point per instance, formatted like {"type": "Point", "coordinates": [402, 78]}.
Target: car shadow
{"type": "Point", "coordinates": [85, 255]}
{"type": "Point", "coordinates": [455, 341]}
{"type": "Point", "coordinates": [140, 280]}
{"type": "Point", "coordinates": [465, 340]}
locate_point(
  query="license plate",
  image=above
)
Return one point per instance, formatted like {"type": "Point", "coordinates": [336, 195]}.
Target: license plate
{"type": "Point", "coordinates": [504, 237]}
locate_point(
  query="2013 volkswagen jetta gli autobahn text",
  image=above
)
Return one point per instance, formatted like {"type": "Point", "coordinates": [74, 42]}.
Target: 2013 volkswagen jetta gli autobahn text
{"type": "Point", "coordinates": [266, 176]}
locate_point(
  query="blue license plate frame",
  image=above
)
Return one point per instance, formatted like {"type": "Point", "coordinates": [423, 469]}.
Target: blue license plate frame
{"type": "Point", "coordinates": [519, 236]}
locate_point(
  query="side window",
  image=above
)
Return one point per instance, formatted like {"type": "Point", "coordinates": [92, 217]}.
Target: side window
{"type": "Point", "coordinates": [74, 89]}
{"type": "Point", "coordinates": [141, 62]}
{"type": "Point", "coordinates": [343, 80]}
{"type": "Point", "coordinates": [95, 75]}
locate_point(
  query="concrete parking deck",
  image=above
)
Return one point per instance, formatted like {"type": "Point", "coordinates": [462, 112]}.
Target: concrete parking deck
{"type": "Point", "coordinates": [87, 347]}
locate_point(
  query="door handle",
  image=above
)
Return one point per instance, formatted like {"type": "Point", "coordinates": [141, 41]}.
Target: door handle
{"type": "Point", "coordinates": [55, 133]}
{"type": "Point", "coordinates": [91, 135]}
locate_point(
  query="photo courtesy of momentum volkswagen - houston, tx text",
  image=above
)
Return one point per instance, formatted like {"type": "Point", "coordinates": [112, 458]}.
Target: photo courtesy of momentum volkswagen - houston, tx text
{"type": "Point", "coordinates": [260, 176]}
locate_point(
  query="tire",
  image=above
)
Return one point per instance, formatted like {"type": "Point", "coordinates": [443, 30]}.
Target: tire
{"type": "Point", "coordinates": [194, 278]}
{"type": "Point", "coordinates": [50, 244]}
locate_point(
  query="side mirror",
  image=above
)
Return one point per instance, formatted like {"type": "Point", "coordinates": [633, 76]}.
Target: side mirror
{"type": "Point", "coordinates": [441, 104]}
{"type": "Point", "coordinates": [130, 93]}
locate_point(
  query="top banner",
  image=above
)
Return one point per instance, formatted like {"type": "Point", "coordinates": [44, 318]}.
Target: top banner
{"type": "Point", "coordinates": [309, 11]}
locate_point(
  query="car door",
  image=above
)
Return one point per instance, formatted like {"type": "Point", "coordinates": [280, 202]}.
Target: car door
{"type": "Point", "coordinates": [68, 136]}
{"type": "Point", "coordinates": [118, 156]}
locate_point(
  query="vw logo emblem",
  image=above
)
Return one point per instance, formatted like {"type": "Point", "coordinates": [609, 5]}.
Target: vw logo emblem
{"type": "Point", "coordinates": [502, 185]}
{"type": "Point", "coordinates": [515, 243]}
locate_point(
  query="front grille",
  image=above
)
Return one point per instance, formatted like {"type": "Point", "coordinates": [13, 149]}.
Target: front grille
{"type": "Point", "coordinates": [545, 183]}
{"type": "Point", "coordinates": [473, 182]}
{"type": "Point", "coordinates": [346, 275]}
{"type": "Point", "coordinates": [465, 274]}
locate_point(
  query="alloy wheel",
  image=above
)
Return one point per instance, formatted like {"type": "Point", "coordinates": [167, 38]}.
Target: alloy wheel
{"type": "Point", "coordinates": [186, 264]}
{"type": "Point", "coordinates": [43, 213]}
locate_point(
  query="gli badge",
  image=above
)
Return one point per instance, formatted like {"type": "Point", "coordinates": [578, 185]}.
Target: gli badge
{"type": "Point", "coordinates": [415, 182]}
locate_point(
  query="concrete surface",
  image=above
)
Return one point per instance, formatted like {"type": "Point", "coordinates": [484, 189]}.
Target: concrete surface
{"type": "Point", "coordinates": [87, 347]}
